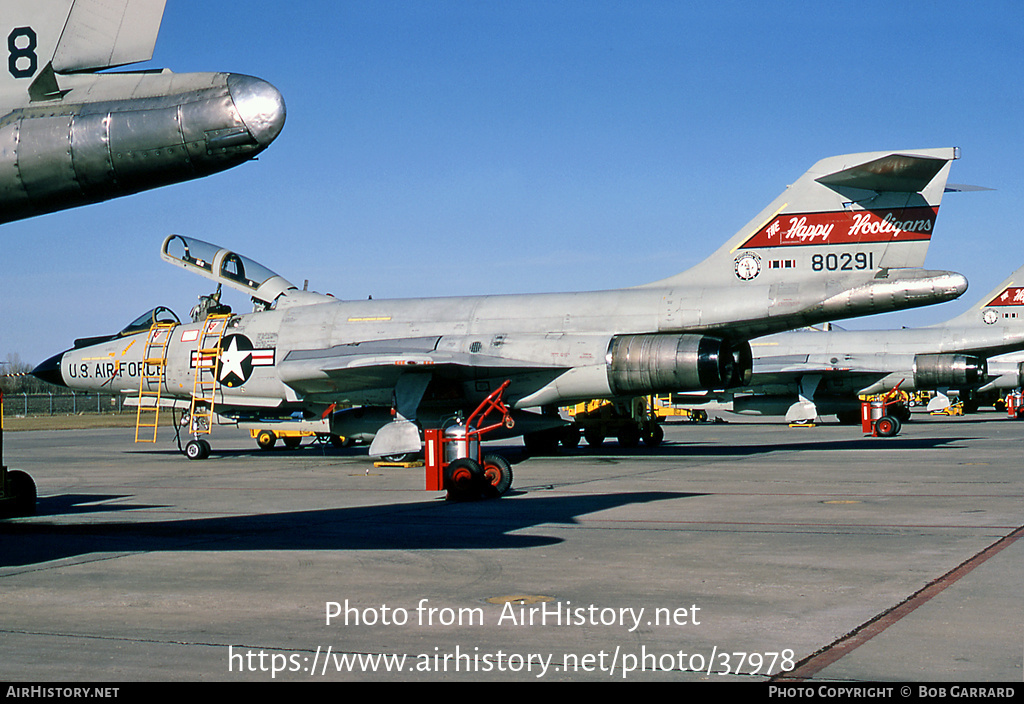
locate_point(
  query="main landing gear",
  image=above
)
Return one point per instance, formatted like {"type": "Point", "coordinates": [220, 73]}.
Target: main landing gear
{"type": "Point", "coordinates": [629, 422]}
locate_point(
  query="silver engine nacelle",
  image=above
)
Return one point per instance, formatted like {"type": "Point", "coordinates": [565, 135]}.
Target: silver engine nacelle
{"type": "Point", "coordinates": [642, 364]}
{"type": "Point", "coordinates": [948, 370]}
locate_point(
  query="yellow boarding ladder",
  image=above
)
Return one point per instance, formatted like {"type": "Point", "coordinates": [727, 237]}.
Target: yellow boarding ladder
{"type": "Point", "coordinates": [154, 357]}
{"type": "Point", "coordinates": [204, 385]}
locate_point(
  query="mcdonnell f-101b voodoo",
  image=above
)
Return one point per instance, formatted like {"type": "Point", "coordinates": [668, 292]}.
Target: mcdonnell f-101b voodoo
{"type": "Point", "coordinates": [807, 373]}
{"type": "Point", "coordinates": [846, 239]}
{"type": "Point", "coordinates": [70, 136]}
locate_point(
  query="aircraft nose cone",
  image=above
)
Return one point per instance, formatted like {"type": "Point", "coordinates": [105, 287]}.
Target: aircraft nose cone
{"type": "Point", "coordinates": [260, 106]}
{"type": "Point", "coordinates": [49, 370]}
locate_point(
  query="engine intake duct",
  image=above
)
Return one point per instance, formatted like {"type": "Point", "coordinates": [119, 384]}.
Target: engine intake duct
{"type": "Point", "coordinates": [642, 364]}
{"type": "Point", "coordinates": [948, 370]}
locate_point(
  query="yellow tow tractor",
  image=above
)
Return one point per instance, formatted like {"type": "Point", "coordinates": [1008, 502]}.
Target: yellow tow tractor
{"type": "Point", "coordinates": [665, 409]}
{"type": "Point", "coordinates": [292, 432]}
{"type": "Point", "coordinates": [953, 409]}
{"type": "Point", "coordinates": [629, 422]}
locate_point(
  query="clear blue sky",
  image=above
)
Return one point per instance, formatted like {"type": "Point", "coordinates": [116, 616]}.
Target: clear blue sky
{"type": "Point", "coordinates": [447, 148]}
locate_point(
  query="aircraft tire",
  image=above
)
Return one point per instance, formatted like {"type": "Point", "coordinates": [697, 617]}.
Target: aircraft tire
{"type": "Point", "coordinates": [887, 426]}
{"type": "Point", "coordinates": [292, 442]}
{"type": "Point", "coordinates": [265, 440]}
{"type": "Point", "coordinates": [570, 438]}
{"type": "Point", "coordinates": [497, 475]}
{"type": "Point", "coordinates": [542, 442]}
{"type": "Point", "coordinates": [654, 435]}
{"type": "Point", "coordinates": [463, 479]}
{"type": "Point", "coordinates": [594, 437]}
{"type": "Point", "coordinates": [197, 449]}
{"type": "Point", "coordinates": [23, 495]}
{"type": "Point", "coordinates": [629, 436]}
{"type": "Point", "coordinates": [848, 417]}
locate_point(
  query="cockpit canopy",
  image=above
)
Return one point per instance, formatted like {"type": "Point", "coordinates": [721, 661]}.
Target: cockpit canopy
{"type": "Point", "coordinates": [225, 267]}
{"type": "Point", "coordinates": [160, 314]}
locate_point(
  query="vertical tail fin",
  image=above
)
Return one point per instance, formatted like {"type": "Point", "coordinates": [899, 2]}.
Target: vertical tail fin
{"type": "Point", "coordinates": [103, 34]}
{"type": "Point", "coordinates": [1002, 307]}
{"type": "Point", "coordinates": [847, 218]}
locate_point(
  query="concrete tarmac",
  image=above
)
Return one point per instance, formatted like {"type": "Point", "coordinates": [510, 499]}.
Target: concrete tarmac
{"type": "Point", "coordinates": [741, 551]}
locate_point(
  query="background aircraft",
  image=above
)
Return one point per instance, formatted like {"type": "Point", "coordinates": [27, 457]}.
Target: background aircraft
{"type": "Point", "coordinates": [807, 373]}
{"type": "Point", "coordinates": [848, 238]}
{"type": "Point", "coordinates": [71, 136]}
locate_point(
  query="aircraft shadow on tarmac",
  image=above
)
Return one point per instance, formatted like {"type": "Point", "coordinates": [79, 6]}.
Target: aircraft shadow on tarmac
{"type": "Point", "coordinates": [427, 525]}
{"type": "Point", "coordinates": [719, 449]}
{"type": "Point", "coordinates": [682, 449]}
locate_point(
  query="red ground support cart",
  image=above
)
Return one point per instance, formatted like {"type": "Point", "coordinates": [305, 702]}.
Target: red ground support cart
{"type": "Point", "coordinates": [454, 456]}
{"type": "Point", "coordinates": [1015, 404]}
{"type": "Point", "coordinates": [876, 416]}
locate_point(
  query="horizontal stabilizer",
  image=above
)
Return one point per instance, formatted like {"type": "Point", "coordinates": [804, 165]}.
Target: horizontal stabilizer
{"type": "Point", "coordinates": [899, 173]}
{"type": "Point", "coordinates": [965, 188]}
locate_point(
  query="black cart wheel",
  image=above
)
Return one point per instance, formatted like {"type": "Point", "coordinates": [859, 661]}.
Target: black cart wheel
{"type": "Point", "coordinates": [887, 426]}
{"type": "Point", "coordinates": [265, 439]}
{"type": "Point", "coordinates": [497, 475]}
{"type": "Point", "coordinates": [464, 479]}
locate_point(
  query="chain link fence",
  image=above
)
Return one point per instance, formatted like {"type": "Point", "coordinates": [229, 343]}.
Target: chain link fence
{"type": "Point", "coordinates": [61, 404]}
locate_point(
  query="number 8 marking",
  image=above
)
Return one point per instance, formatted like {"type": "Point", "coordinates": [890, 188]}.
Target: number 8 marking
{"type": "Point", "coordinates": [25, 52]}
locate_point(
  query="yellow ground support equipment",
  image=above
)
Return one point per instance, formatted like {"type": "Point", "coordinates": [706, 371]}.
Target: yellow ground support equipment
{"type": "Point", "coordinates": [629, 422]}
{"type": "Point", "coordinates": [664, 409]}
{"type": "Point", "coordinates": [151, 380]}
{"type": "Point", "coordinates": [204, 384]}
{"type": "Point", "coordinates": [953, 409]}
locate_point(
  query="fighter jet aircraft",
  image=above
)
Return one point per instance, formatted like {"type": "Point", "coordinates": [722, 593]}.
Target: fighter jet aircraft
{"type": "Point", "coordinates": [70, 136]}
{"type": "Point", "coordinates": [846, 239]}
{"type": "Point", "coordinates": [807, 373]}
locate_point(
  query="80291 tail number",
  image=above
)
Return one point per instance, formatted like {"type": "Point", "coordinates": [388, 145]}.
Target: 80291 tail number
{"type": "Point", "coordinates": [843, 261]}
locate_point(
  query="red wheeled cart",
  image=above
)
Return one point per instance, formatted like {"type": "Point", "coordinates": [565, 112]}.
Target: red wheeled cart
{"type": "Point", "coordinates": [876, 416]}
{"type": "Point", "coordinates": [1015, 404]}
{"type": "Point", "coordinates": [454, 456]}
